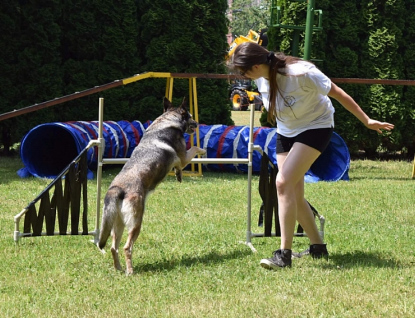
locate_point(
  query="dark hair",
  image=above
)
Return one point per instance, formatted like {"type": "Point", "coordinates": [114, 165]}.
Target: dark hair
{"type": "Point", "coordinates": [248, 54]}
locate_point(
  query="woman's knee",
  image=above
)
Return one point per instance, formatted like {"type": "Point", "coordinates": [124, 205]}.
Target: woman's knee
{"type": "Point", "coordinates": [286, 185]}
{"type": "Point", "coordinates": [283, 184]}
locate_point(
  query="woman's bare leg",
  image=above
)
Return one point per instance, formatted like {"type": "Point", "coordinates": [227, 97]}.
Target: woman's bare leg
{"type": "Point", "coordinates": [290, 186]}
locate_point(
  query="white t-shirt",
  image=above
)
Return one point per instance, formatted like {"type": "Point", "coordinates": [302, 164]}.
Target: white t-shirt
{"type": "Point", "coordinates": [302, 101]}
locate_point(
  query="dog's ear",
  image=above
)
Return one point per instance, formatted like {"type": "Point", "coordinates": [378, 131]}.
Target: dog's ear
{"type": "Point", "coordinates": [167, 104]}
{"type": "Point", "coordinates": [184, 104]}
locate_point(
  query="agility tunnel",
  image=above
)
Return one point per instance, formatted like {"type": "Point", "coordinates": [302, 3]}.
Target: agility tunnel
{"type": "Point", "coordinates": [48, 148]}
{"type": "Point", "coordinates": [222, 141]}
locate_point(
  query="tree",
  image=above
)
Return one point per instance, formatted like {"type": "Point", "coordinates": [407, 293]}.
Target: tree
{"type": "Point", "coordinates": [184, 37]}
{"type": "Point", "coordinates": [362, 39]}
{"type": "Point", "coordinates": [52, 48]}
{"type": "Point", "coordinates": [99, 45]}
{"type": "Point", "coordinates": [29, 61]}
{"type": "Point", "coordinates": [249, 15]}
{"type": "Point", "coordinates": [407, 51]}
{"type": "Point", "coordinates": [9, 24]}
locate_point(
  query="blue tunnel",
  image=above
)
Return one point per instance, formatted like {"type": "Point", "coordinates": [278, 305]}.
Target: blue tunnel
{"type": "Point", "coordinates": [47, 149]}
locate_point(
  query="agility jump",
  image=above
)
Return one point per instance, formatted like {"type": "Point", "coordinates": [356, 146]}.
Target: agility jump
{"type": "Point", "coordinates": [100, 141]}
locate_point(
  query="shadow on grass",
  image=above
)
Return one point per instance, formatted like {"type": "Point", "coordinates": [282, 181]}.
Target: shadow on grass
{"type": "Point", "coordinates": [362, 259]}
{"type": "Point", "coordinates": [357, 178]}
{"type": "Point", "coordinates": [188, 261]}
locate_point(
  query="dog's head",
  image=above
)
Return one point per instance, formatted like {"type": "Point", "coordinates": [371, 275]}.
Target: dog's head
{"type": "Point", "coordinates": [188, 124]}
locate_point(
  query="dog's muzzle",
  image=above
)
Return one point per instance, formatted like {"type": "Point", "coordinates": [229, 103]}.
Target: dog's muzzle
{"type": "Point", "coordinates": [192, 127]}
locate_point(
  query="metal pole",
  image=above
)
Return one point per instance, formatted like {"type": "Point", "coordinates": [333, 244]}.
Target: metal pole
{"type": "Point", "coordinates": [249, 194]}
{"type": "Point", "coordinates": [16, 225]}
{"type": "Point", "coordinates": [309, 29]}
{"type": "Point", "coordinates": [101, 146]}
{"type": "Point", "coordinates": [296, 41]}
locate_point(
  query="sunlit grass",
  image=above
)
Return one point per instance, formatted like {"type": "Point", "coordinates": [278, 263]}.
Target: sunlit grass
{"type": "Point", "coordinates": [189, 261]}
{"type": "Point", "coordinates": [242, 118]}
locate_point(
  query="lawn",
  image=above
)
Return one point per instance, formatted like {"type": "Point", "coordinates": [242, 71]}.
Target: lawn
{"type": "Point", "coordinates": [189, 260]}
{"type": "Point", "coordinates": [241, 118]}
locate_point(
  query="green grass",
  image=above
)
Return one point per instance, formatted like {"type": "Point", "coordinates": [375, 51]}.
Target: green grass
{"type": "Point", "coordinates": [242, 118]}
{"type": "Point", "coordinates": [189, 261]}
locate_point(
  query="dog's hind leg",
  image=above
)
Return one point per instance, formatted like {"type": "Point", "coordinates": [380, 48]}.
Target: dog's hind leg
{"type": "Point", "coordinates": [134, 230]}
{"type": "Point", "coordinates": [128, 248]}
{"type": "Point", "coordinates": [117, 231]}
{"type": "Point", "coordinates": [178, 173]}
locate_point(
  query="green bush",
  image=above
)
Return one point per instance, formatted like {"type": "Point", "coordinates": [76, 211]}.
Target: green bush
{"type": "Point", "coordinates": [52, 48]}
{"type": "Point", "coordinates": [363, 39]}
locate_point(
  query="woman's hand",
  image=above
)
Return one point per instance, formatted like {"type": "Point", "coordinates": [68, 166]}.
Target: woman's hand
{"type": "Point", "coordinates": [348, 102]}
{"type": "Point", "coordinates": [378, 126]}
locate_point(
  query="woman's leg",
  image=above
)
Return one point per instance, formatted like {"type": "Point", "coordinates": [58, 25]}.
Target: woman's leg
{"type": "Point", "coordinates": [290, 187]}
{"type": "Point", "coordinates": [305, 217]}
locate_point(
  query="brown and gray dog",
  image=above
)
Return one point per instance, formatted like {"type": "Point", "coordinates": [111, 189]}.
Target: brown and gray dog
{"type": "Point", "coordinates": [161, 149]}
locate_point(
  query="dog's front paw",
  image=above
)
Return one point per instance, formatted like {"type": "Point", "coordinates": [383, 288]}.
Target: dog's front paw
{"type": "Point", "coordinates": [201, 151]}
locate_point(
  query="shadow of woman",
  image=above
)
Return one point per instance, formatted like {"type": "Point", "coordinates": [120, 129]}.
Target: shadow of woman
{"type": "Point", "coordinates": [188, 261]}
{"type": "Point", "coordinates": [362, 259]}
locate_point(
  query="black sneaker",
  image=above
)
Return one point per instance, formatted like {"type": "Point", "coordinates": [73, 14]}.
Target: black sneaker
{"type": "Point", "coordinates": [319, 251]}
{"type": "Point", "coordinates": [281, 258]}
{"type": "Point", "coordinates": [315, 250]}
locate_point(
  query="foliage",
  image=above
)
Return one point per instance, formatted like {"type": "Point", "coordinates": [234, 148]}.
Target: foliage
{"type": "Point", "coordinates": [362, 39]}
{"type": "Point", "coordinates": [29, 60]}
{"type": "Point", "coordinates": [99, 45]}
{"type": "Point", "coordinates": [53, 48]}
{"type": "Point", "coordinates": [186, 37]}
{"type": "Point", "coordinates": [246, 15]}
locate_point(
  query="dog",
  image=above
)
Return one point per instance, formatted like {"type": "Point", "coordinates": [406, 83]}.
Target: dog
{"type": "Point", "coordinates": [162, 149]}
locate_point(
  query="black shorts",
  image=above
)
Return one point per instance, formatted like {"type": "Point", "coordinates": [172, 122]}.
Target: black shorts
{"type": "Point", "coordinates": [315, 138]}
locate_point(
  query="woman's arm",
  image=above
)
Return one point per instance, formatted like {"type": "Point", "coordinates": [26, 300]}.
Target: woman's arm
{"type": "Point", "coordinates": [348, 102]}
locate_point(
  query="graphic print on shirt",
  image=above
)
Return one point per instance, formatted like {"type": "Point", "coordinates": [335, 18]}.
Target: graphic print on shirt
{"type": "Point", "coordinates": [291, 92]}
{"type": "Point", "coordinates": [289, 102]}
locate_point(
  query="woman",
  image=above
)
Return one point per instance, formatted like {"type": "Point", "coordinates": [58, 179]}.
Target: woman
{"type": "Point", "coordinates": [296, 96]}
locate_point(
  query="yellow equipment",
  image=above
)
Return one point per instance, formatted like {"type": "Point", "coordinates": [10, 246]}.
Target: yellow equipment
{"type": "Point", "coordinates": [251, 37]}
{"type": "Point", "coordinates": [241, 95]}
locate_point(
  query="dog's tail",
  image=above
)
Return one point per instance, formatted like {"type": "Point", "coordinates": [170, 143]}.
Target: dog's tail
{"type": "Point", "coordinates": [111, 208]}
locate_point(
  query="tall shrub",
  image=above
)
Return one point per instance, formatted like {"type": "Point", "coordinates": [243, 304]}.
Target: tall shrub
{"type": "Point", "coordinates": [29, 61]}
{"type": "Point", "coordinates": [184, 37]}
{"type": "Point", "coordinates": [363, 39]}
{"type": "Point", "coordinates": [52, 48]}
{"type": "Point", "coordinates": [99, 45]}
{"type": "Point", "coordinates": [9, 93]}
{"type": "Point", "coordinates": [381, 59]}
{"type": "Point", "coordinates": [407, 51]}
